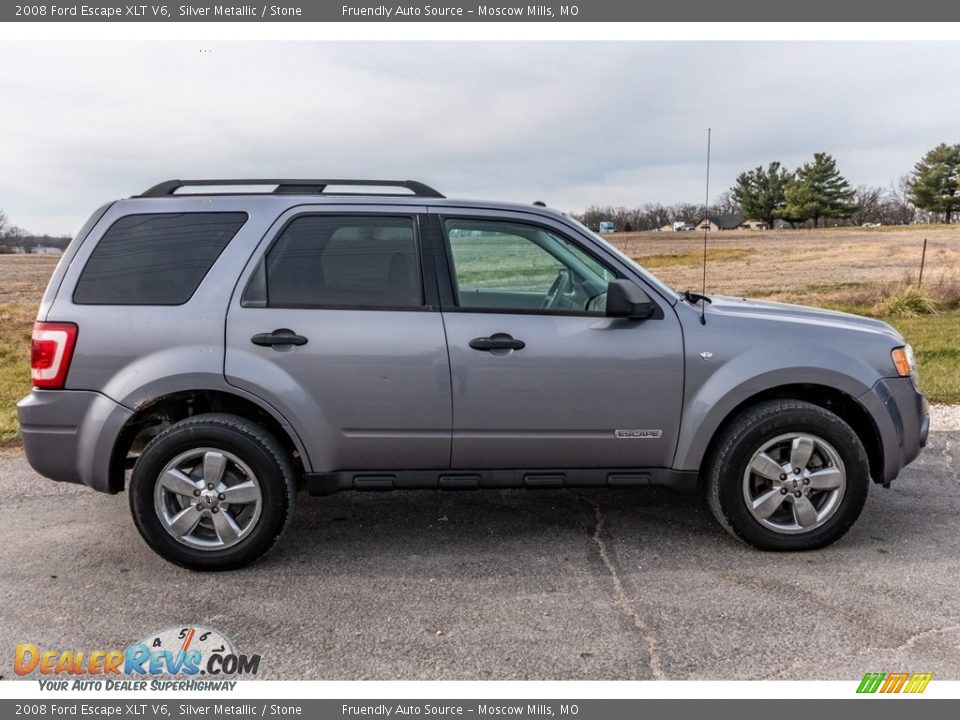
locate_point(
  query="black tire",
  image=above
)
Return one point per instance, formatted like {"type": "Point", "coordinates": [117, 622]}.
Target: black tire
{"type": "Point", "coordinates": [747, 433]}
{"type": "Point", "coordinates": [245, 440]}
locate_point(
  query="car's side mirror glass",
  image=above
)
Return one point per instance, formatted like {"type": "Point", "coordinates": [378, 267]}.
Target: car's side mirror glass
{"type": "Point", "coordinates": [625, 299]}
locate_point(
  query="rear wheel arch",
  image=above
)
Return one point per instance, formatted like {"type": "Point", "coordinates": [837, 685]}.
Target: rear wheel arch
{"type": "Point", "coordinates": [152, 417]}
{"type": "Point", "coordinates": [836, 401]}
{"type": "Point", "coordinates": [212, 492]}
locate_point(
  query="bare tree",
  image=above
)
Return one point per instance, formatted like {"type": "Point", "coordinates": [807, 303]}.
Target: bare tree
{"type": "Point", "coordinates": [594, 215]}
{"type": "Point", "coordinates": [903, 211]}
{"type": "Point", "coordinates": [15, 237]}
{"type": "Point", "coordinates": [654, 216]}
{"type": "Point", "coordinates": [725, 204]}
{"type": "Point", "coordinates": [870, 203]}
{"type": "Point", "coordinates": [687, 212]}
{"type": "Point", "coordinates": [5, 246]}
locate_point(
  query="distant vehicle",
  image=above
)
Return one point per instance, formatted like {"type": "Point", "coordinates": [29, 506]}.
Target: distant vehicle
{"type": "Point", "coordinates": [872, 225]}
{"type": "Point", "coordinates": [682, 226]}
{"type": "Point", "coordinates": [607, 227]}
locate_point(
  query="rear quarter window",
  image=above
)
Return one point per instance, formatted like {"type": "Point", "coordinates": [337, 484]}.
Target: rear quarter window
{"type": "Point", "coordinates": [156, 259]}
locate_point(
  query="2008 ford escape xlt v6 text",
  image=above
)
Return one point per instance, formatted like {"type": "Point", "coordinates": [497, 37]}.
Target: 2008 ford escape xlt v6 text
{"type": "Point", "coordinates": [214, 346]}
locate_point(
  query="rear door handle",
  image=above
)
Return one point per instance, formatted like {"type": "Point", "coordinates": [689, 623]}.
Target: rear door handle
{"type": "Point", "coordinates": [280, 336]}
{"type": "Point", "coordinates": [497, 341]}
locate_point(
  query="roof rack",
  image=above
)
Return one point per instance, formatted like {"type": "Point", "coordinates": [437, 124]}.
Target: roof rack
{"type": "Point", "coordinates": [294, 187]}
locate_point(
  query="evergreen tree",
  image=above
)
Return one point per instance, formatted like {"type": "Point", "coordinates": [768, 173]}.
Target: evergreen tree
{"type": "Point", "coordinates": [760, 193]}
{"type": "Point", "coordinates": [935, 183]}
{"type": "Point", "coordinates": [818, 190]}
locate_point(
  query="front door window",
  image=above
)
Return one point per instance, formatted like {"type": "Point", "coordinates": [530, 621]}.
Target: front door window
{"type": "Point", "coordinates": [511, 266]}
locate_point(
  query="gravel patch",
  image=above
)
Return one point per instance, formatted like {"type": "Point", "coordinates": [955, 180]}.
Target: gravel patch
{"type": "Point", "coordinates": [944, 418]}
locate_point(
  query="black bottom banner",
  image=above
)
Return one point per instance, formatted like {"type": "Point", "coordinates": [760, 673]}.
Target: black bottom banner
{"type": "Point", "coordinates": [876, 708]}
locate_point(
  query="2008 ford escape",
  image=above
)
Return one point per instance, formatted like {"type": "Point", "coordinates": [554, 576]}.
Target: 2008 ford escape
{"type": "Point", "coordinates": [212, 347]}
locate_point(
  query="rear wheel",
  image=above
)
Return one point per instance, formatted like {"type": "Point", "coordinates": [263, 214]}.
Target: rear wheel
{"type": "Point", "coordinates": [788, 475]}
{"type": "Point", "coordinates": [212, 492]}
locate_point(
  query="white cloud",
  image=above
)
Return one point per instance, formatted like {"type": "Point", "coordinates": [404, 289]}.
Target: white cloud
{"type": "Point", "coordinates": [569, 123]}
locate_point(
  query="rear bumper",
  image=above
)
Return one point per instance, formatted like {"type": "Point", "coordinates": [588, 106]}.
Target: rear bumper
{"type": "Point", "coordinates": [902, 416]}
{"type": "Point", "coordinates": [69, 435]}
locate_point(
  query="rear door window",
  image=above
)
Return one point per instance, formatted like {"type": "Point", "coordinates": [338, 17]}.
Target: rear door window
{"type": "Point", "coordinates": [156, 259]}
{"type": "Point", "coordinates": [345, 262]}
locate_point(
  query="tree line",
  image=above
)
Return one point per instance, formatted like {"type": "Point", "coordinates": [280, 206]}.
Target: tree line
{"type": "Point", "coordinates": [15, 239]}
{"type": "Point", "coordinates": [813, 195]}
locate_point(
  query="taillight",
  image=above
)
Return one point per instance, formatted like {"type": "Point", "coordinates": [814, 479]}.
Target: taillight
{"type": "Point", "coordinates": [51, 350]}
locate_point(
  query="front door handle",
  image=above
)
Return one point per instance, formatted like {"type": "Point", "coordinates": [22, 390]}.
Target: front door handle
{"type": "Point", "coordinates": [497, 341]}
{"type": "Point", "coordinates": [280, 336]}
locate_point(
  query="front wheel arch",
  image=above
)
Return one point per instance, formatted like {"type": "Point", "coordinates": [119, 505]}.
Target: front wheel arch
{"type": "Point", "coordinates": [836, 401]}
{"type": "Point", "coordinates": [793, 497]}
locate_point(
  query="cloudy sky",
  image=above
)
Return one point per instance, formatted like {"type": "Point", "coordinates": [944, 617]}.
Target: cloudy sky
{"type": "Point", "coordinates": [573, 124]}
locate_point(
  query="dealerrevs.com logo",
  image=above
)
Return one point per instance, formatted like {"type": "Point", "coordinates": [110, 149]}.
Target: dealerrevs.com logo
{"type": "Point", "coordinates": [186, 653]}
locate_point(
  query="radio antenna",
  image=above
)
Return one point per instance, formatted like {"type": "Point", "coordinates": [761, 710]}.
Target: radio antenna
{"type": "Point", "coordinates": [706, 227]}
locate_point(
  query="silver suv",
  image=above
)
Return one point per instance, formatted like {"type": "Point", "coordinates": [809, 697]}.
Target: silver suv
{"type": "Point", "coordinates": [215, 346]}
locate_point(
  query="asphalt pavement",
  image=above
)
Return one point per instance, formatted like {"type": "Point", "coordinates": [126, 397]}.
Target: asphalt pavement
{"type": "Point", "coordinates": [506, 585]}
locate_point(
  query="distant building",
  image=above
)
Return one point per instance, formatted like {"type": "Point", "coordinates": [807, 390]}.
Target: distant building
{"type": "Point", "coordinates": [6, 249]}
{"type": "Point", "coordinates": [720, 222]}
{"type": "Point", "coordinates": [733, 221]}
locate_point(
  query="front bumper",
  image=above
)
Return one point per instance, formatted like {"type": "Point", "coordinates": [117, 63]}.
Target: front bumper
{"type": "Point", "coordinates": [902, 416]}
{"type": "Point", "coordinates": [69, 435]}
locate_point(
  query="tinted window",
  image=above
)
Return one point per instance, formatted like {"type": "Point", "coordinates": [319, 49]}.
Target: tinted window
{"type": "Point", "coordinates": [515, 266]}
{"type": "Point", "coordinates": [155, 259]}
{"type": "Point", "coordinates": [324, 261]}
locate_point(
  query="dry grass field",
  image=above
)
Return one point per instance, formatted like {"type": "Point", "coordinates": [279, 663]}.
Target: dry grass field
{"type": "Point", "coordinates": [857, 270]}
{"type": "Point", "coordinates": [865, 271]}
{"type": "Point", "coordinates": [788, 262]}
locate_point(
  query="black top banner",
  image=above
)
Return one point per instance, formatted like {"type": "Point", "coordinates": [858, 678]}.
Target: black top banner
{"type": "Point", "coordinates": [472, 11]}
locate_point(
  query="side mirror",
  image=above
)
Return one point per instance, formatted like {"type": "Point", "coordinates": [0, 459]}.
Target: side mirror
{"type": "Point", "coordinates": [625, 299]}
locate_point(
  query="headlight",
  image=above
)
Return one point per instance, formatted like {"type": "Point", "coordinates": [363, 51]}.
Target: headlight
{"type": "Point", "coordinates": [904, 361]}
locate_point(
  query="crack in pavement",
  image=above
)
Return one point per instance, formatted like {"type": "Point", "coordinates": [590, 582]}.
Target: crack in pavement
{"type": "Point", "coordinates": [905, 645]}
{"type": "Point", "coordinates": [913, 639]}
{"type": "Point", "coordinates": [945, 451]}
{"type": "Point", "coordinates": [620, 595]}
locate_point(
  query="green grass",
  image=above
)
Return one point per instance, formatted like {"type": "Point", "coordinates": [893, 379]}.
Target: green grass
{"type": "Point", "coordinates": [909, 302]}
{"type": "Point", "coordinates": [16, 324]}
{"type": "Point", "coordinates": [936, 343]}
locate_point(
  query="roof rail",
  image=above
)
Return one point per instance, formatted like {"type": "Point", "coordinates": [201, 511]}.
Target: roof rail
{"type": "Point", "coordinates": [293, 187]}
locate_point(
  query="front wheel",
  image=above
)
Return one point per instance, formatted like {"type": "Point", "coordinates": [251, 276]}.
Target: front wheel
{"type": "Point", "coordinates": [788, 475]}
{"type": "Point", "coordinates": [212, 492]}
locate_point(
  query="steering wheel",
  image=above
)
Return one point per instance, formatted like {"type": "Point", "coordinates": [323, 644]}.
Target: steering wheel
{"type": "Point", "coordinates": [563, 283]}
